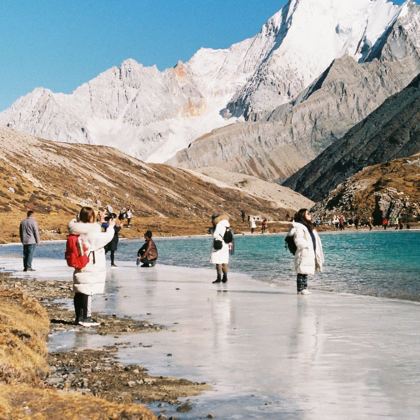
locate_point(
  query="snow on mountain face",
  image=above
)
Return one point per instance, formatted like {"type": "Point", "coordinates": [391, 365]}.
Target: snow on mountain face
{"type": "Point", "coordinates": [151, 114]}
{"type": "Point", "coordinates": [312, 33]}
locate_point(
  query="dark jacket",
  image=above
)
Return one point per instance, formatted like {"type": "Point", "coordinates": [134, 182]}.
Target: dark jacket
{"type": "Point", "coordinates": [148, 251]}
{"type": "Point", "coordinates": [113, 245]}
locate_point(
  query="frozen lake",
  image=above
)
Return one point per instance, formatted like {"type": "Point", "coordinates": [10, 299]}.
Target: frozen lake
{"type": "Point", "coordinates": [267, 352]}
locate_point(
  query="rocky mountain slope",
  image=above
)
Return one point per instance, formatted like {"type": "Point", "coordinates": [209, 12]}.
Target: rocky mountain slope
{"type": "Point", "coordinates": [392, 131]}
{"type": "Point", "coordinates": [152, 114]}
{"type": "Point", "coordinates": [390, 189]}
{"type": "Point", "coordinates": [293, 134]}
{"type": "Point", "coordinates": [257, 187]}
{"type": "Point", "coordinates": [56, 178]}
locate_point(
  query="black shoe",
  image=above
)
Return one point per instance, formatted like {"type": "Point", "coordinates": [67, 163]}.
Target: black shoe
{"type": "Point", "coordinates": [217, 281]}
{"type": "Point", "coordinates": [224, 279]}
{"type": "Point", "coordinates": [25, 269]}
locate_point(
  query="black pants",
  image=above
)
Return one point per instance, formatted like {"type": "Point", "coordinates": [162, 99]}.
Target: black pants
{"type": "Point", "coordinates": [148, 263]}
{"type": "Point", "coordinates": [80, 306]}
{"type": "Point", "coordinates": [302, 282]}
{"type": "Point", "coordinates": [112, 255]}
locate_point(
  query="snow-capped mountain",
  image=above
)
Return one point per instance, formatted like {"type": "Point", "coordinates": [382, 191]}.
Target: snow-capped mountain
{"type": "Point", "coordinates": [152, 114]}
{"type": "Point", "coordinates": [289, 136]}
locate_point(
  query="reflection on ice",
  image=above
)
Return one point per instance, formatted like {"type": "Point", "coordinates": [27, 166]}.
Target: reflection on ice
{"type": "Point", "coordinates": [267, 352]}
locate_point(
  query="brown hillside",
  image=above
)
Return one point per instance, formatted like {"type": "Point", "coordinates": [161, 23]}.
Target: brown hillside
{"type": "Point", "coordinates": [55, 178]}
{"type": "Point", "coordinates": [390, 189]}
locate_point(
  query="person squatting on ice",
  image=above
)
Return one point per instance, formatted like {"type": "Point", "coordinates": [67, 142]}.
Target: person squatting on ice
{"type": "Point", "coordinates": [147, 255]}
{"type": "Point", "coordinates": [90, 279]}
{"type": "Point", "coordinates": [309, 256]}
{"type": "Point", "coordinates": [220, 249]}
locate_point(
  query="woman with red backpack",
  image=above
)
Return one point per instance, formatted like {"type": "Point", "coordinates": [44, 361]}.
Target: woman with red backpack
{"type": "Point", "coordinates": [85, 253]}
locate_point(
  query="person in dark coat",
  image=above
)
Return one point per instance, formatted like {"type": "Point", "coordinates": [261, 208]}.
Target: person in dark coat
{"type": "Point", "coordinates": [148, 253]}
{"type": "Point", "coordinates": [113, 245]}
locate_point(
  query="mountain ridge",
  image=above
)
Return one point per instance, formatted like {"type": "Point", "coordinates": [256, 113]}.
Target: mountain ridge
{"type": "Point", "coordinates": [151, 114]}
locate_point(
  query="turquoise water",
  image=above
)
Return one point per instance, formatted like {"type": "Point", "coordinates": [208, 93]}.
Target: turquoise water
{"type": "Point", "coordinates": [383, 264]}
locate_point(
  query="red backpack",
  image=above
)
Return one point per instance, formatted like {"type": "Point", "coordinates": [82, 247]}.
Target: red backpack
{"type": "Point", "coordinates": [76, 252]}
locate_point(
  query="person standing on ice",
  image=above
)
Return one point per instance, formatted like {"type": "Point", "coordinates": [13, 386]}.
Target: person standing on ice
{"type": "Point", "coordinates": [220, 250]}
{"type": "Point", "coordinates": [29, 236]}
{"type": "Point", "coordinates": [89, 280]}
{"type": "Point", "coordinates": [309, 256]}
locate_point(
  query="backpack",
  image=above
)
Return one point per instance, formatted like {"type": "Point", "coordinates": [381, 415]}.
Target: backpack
{"type": "Point", "coordinates": [228, 236]}
{"type": "Point", "coordinates": [290, 244]}
{"type": "Point", "coordinates": [76, 252]}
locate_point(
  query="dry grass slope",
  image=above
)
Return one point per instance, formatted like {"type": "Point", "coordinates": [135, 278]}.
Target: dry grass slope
{"type": "Point", "coordinates": [55, 178]}
{"type": "Point", "coordinates": [24, 326]}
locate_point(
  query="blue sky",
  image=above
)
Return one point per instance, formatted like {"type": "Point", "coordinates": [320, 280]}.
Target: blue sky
{"type": "Point", "coordinates": [59, 44]}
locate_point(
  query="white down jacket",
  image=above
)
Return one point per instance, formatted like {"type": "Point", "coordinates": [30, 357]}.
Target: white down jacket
{"type": "Point", "coordinates": [306, 260]}
{"type": "Point", "coordinates": [220, 256]}
{"type": "Point", "coordinates": [91, 279]}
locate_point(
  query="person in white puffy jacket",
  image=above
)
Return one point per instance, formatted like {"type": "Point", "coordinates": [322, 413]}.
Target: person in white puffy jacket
{"type": "Point", "coordinates": [90, 280]}
{"type": "Point", "coordinates": [220, 256]}
{"type": "Point", "coordinates": [309, 256]}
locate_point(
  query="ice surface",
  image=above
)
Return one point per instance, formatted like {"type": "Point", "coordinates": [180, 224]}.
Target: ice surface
{"type": "Point", "coordinates": [267, 352]}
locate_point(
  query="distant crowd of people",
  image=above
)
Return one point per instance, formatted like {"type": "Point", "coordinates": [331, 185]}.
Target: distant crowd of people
{"type": "Point", "coordinates": [339, 222]}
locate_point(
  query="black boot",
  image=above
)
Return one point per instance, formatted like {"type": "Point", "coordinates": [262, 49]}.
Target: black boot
{"type": "Point", "coordinates": [224, 279]}
{"type": "Point", "coordinates": [78, 307]}
{"type": "Point", "coordinates": [219, 278]}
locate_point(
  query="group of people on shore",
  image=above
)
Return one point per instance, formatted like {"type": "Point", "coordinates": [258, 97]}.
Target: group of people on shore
{"type": "Point", "coordinates": [339, 222]}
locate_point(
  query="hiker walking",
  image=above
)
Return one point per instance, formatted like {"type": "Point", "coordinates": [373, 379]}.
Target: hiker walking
{"type": "Point", "coordinates": [29, 236]}
{"type": "Point", "coordinates": [90, 279]}
{"type": "Point", "coordinates": [129, 216]}
{"type": "Point", "coordinates": [220, 250]}
{"type": "Point", "coordinates": [252, 224]}
{"type": "Point", "coordinates": [309, 256]}
{"type": "Point", "coordinates": [264, 225]}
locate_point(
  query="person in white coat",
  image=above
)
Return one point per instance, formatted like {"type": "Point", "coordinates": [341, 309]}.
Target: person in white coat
{"type": "Point", "coordinates": [220, 249]}
{"type": "Point", "coordinates": [90, 280]}
{"type": "Point", "coordinates": [309, 256]}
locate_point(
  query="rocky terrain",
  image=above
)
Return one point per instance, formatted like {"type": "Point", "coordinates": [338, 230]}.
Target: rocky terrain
{"type": "Point", "coordinates": [55, 179]}
{"type": "Point", "coordinates": [87, 384]}
{"type": "Point", "coordinates": [285, 139]}
{"type": "Point", "coordinates": [390, 190]}
{"type": "Point", "coordinates": [392, 131]}
{"type": "Point", "coordinates": [151, 114]}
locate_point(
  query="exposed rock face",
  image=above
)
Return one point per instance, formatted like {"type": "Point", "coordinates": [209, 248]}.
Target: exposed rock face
{"type": "Point", "coordinates": [388, 190]}
{"type": "Point", "coordinates": [392, 131]}
{"type": "Point", "coordinates": [151, 114]}
{"type": "Point", "coordinates": [293, 135]}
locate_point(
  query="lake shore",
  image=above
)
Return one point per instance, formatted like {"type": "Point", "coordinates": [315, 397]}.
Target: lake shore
{"type": "Point", "coordinates": [266, 352]}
